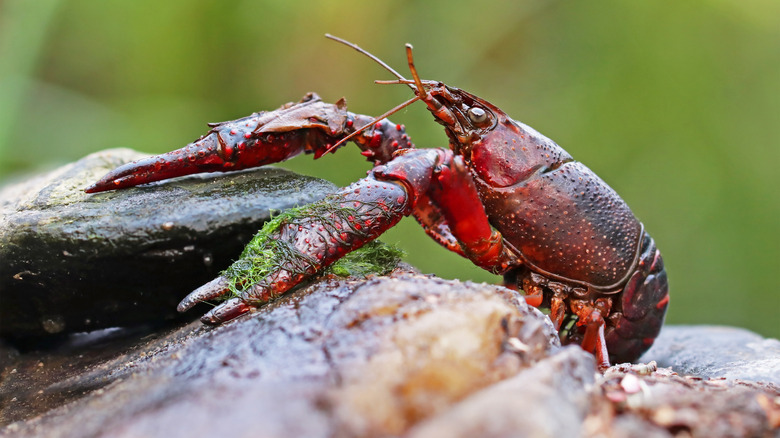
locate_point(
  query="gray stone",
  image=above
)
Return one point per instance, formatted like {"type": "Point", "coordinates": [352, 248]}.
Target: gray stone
{"type": "Point", "coordinates": [71, 261]}
{"type": "Point", "coordinates": [717, 352]}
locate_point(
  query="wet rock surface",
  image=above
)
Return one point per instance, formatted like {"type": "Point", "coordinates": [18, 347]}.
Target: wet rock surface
{"type": "Point", "coordinates": [404, 355]}
{"type": "Point", "coordinates": [337, 358]}
{"type": "Point", "coordinates": [715, 351]}
{"type": "Point", "coordinates": [70, 261]}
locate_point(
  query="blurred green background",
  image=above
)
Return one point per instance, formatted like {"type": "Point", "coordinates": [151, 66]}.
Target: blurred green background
{"type": "Point", "coordinates": [674, 103]}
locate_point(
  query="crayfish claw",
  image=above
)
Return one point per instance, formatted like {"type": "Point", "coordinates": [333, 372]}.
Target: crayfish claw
{"type": "Point", "coordinates": [232, 308]}
{"type": "Point", "coordinates": [214, 289]}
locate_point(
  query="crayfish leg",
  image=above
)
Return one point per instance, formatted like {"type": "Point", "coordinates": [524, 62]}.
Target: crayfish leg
{"type": "Point", "coordinates": [214, 289]}
{"type": "Point", "coordinates": [534, 294]}
{"type": "Point", "coordinates": [557, 311]}
{"type": "Point", "coordinates": [594, 341]}
{"type": "Point", "coordinates": [232, 308]}
{"type": "Point", "coordinates": [309, 126]}
{"type": "Point", "coordinates": [455, 210]}
{"type": "Point", "coordinates": [301, 242]}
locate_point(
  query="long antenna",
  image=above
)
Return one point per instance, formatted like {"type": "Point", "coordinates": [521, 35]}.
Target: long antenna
{"type": "Point", "coordinates": [367, 53]}
{"type": "Point", "coordinates": [420, 90]}
{"type": "Point", "coordinates": [416, 85]}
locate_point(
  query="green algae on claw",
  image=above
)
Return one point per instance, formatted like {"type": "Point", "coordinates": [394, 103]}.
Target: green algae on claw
{"type": "Point", "coordinates": [265, 254]}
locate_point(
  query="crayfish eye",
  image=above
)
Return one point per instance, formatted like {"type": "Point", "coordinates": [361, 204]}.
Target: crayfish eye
{"type": "Point", "coordinates": [477, 116]}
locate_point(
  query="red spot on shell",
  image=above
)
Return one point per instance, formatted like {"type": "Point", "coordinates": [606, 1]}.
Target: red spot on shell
{"type": "Point", "coordinates": [376, 140]}
{"type": "Point", "coordinates": [233, 132]}
{"type": "Point", "coordinates": [398, 127]}
{"type": "Point", "coordinates": [664, 301]}
{"type": "Point", "coordinates": [343, 236]}
{"type": "Point", "coordinates": [248, 135]}
{"type": "Point", "coordinates": [349, 123]}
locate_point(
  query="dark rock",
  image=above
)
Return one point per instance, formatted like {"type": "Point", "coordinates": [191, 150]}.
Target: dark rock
{"type": "Point", "coordinates": [337, 358]}
{"type": "Point", "coordinates": [70, 261]}
{"type": "Point", "coordinates": [717, 352]}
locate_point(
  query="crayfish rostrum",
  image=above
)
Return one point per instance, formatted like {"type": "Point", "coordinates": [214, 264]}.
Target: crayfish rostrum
{"type": "Point", "coordinates": [504, 196]}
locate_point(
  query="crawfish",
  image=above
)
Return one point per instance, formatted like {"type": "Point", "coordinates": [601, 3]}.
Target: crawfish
{"type": "Point", "coordinates": [502, 195]}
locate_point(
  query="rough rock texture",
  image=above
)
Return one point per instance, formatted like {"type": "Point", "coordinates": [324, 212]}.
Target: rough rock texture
{"type": "Point", "coordinates": [338, 358]}
{"type": "Point", "coordinates": [549, 399]}
{"type": "Point", "coordinates": [70, 261]}
{"type": "Point", "coordinates": [631, 401]}
{"type": "Point", "coordinates": [407, 355]}
{"type": "Point", "coordinates": [713, 351]}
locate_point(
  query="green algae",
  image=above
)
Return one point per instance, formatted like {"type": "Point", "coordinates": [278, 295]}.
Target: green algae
{"type": "Point", "coordinates": [375, 257]}
{"type": "Point", "coordinates": [269, 252]}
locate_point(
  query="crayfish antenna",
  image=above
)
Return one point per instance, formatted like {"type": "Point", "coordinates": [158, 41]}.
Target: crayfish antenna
{"type": "Point", "coordinates": [367, 53]}
{"type": "Point", "coordinates": [416, 86]}
{"type": "Point", "coordinates": [418, 82]}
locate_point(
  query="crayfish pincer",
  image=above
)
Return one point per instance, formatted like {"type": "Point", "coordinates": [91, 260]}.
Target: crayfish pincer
{"type": "Point", "coordinates": [502, 195]}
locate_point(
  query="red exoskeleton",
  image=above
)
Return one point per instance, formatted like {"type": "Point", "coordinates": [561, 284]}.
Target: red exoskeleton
{"type": "Point", "coordinates": [504, 196]}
